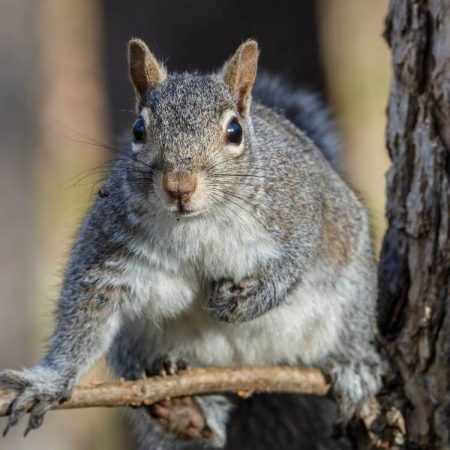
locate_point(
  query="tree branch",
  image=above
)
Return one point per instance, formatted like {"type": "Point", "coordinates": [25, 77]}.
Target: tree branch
{"type": "Point", "coordinates": [244, 381]}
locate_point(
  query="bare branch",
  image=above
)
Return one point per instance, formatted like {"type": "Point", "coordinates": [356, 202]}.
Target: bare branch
{"type": "Point", "coordinates": [242, 381]}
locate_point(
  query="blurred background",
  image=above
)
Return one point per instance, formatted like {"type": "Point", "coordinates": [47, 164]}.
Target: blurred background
{"type": "Point", "coordinates": [64, 89]}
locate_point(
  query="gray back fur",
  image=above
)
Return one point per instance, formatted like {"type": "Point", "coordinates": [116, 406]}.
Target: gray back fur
{"type": "Point", "coordinates": [305, 110]}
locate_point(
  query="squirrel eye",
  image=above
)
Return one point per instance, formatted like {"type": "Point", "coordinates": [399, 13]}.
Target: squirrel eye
{"type": "Point", "coordinates": [139, 130]}
{"type": "Point", "coordinates": [234, 132]}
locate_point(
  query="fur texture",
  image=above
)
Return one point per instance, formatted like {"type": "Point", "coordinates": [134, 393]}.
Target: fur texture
{"type": "Point", "coordinates": [269, 261]}
{"type": "Point", "coordinates": [305, 110]}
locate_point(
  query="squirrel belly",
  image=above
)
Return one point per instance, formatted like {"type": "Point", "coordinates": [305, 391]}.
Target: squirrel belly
{"type": "Point", "coordinates": [298, 332]}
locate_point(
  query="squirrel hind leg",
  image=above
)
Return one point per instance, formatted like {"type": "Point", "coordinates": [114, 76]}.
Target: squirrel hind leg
{"type": "Point", "coordinates": [178, 423]}
{"type": "Point", "coordinates": [181, 423]}
{"type": "Point", "coordinates": [182, 418]}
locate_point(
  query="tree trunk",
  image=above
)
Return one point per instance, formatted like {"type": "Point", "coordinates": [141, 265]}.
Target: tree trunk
{"type": "Point", "coordinates": [414, 307]}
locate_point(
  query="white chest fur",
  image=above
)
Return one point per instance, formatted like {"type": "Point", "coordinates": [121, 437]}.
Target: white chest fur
{"type": "Point", "coordinates": [168, 282]}
{"type": "Point", "coordinates": [176, 322]}
{"type": "Point", "coordinates": [175, 262]}
{"type": "Point", "coordinates": [196, 338]}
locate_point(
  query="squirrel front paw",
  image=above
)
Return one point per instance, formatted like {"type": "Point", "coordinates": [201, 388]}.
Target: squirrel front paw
{"type": "Point", "coordinates": [37, 389]}
{"type": "Point", "coordinates": [353, 384]}
{"type": "Point", "coordinates": [228, 301]}
{"type": "Point", "coordinates": [164, 365]}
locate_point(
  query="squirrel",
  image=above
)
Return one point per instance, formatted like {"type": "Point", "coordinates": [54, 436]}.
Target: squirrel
{"type": "Point", "coordinates": [224, 236]}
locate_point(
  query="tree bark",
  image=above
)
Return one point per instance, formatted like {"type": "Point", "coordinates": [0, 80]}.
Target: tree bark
{"type": "Point", "coordinates": [414, 306]}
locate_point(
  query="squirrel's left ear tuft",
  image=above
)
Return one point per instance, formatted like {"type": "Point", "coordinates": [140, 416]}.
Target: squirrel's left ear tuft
{"type": "Point", "coordinates": [239, 74]}
{"type": "Point", "coordinates": [145, 71]}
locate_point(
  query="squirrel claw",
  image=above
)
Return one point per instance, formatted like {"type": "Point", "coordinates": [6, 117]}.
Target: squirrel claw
{"type": "Point", "coordinates": [37, 389]}
{"type": "Point", "coordinates": [5, 431]}
{"type": "Point", "coordinates": [164, 366]}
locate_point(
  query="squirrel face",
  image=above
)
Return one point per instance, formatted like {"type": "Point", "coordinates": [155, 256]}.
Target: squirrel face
{"type": "Point", "coordinates": [192, 138]}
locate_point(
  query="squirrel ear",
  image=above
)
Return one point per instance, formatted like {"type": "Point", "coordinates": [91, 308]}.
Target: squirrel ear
{"type": "Point", "coordinates": [145, 71]}
{"type": "Point", "coordinates": [239, 74]}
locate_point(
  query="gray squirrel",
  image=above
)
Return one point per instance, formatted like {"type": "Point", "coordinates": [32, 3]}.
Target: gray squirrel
{"type": "Point", "coordinates": [223, 237]}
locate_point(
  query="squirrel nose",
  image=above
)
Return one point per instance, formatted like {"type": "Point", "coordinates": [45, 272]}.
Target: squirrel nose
{"type": "Point", "coordinates": [179, 186]}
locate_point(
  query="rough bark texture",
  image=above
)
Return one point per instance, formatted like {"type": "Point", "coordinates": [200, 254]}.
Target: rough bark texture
{"type": "Point", "coordinates": [414, 308]}
{"type": "Point", "coordinates": [243, 381]}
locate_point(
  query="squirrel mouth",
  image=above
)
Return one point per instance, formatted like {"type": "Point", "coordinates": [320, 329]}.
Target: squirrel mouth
{"type": "Point", "coordinates": [181, 208]}
{"type": "Point", "coordinates": [183, 212]}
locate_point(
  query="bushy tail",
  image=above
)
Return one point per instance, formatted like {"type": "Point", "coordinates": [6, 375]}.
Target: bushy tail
{"type": "Point", "coordinates": [305, 110]}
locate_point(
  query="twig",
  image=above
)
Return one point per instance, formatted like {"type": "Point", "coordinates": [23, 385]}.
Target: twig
{"type": "Point", "coordinates": [242, 381]}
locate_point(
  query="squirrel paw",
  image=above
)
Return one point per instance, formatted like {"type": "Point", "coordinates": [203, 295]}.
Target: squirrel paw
{"type": "Point", "coordinates": [353, 384]}
{"type": "Point", "coordinates": [164, 366]}
{"type": "Point", "coordinates": [37, 389]}
{"type": "Point", "coordinates": [227, 300]}
{"type": "Point", "coordinates": [182, 417]}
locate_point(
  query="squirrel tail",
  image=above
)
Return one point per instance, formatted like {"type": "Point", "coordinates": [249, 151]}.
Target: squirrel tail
{"type": "Point", "coordinates": [283, 422]}
{"type": "Point", "coordinates": [304, 109]}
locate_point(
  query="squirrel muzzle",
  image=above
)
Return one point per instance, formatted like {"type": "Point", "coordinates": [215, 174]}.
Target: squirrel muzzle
{"type": "Point", "coordinates": [179, 186]}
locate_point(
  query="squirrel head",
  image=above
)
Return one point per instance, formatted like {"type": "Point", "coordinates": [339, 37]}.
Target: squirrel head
{"type": "Point", "coordinates": [192, 139]}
